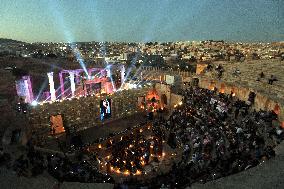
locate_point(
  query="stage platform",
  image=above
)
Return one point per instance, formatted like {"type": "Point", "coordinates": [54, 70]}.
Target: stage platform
{"type": "Point", "coordinates": [112, 126]}
{"type": "Point", "coordinates": [102, 130]}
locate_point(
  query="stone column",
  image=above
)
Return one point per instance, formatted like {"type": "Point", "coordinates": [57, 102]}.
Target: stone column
{"type": "Point", "coordinates": [73, 88]}
{"type": "Point", "coordinates": [61, 85]}
{"type": "Point", "coordinates": [51, 86]}
{"type": "Point", "coordinates": [29, 89]}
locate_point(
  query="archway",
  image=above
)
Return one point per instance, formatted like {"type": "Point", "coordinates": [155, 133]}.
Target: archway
{"type": "Point", "coordinates": [233, 91]}
{"type": "Point", "coordinates": [153, 100]}
{"type": "Point", "coordinates": [195, 82]}
{"type": "Point", "coordinates": [164, 100]}
{"type": "Point", "coordinates": [276, 109]}
{"type": "Point", "coordinates": [212, 85]}
{"type": "Point", "coordinates": [222, 88]}
{"type": "Point", "coordinates": [251, 97]}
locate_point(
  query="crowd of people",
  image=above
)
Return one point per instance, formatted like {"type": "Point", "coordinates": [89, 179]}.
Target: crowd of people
{"type": "Point", "coordinates": [33, 162]}
{"type": "Point", "coordinates": [219, 135]}
{"type": "Point", "coordinates": [132, 152]}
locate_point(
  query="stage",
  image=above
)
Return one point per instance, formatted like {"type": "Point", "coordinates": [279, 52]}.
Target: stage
{"type": "Point", "coordinates": [102, 130]}
{"type": "Point", "coordinates": [112, 126]}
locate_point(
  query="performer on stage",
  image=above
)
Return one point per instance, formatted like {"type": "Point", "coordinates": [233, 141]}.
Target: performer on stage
{"type": "Point", "coordinates": [105, 109]}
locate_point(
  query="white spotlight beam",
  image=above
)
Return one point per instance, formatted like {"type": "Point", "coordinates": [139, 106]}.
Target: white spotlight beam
{"type": "Point", "coordinates": [122, 73]}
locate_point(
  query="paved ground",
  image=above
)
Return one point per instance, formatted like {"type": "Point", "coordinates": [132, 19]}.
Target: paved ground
{"type": "Point", "coordinates": [8, 180]}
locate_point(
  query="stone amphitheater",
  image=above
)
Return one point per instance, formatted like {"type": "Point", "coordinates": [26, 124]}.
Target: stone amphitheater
{"type": "Point", "coordinates": [265, 176]}
{"type": "Point", "coordinates": [267, 96]}
{"type": "Point", "coordinates": [269, 174]}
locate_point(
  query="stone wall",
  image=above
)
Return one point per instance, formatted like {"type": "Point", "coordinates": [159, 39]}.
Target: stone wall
{"type": "Point", "coordinates": [163, 89]}
{"type": "Point", "coordinates": [85, 112]}
{"type": "Point", "coordinates": [172, 98]}
{"type": "Point", "coordinates": [175, 99]}
{"type": "Point", "coordinates": [153, 73]}
{"type": "Point", "coordinates": [261, 101]}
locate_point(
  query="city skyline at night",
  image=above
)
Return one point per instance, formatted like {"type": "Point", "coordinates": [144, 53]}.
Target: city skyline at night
{"type": "Point", "coordinates": [141, 21]}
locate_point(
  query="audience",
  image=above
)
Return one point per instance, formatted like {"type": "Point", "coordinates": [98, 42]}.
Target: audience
{"type": "Point", "coordinates": [217, 134]}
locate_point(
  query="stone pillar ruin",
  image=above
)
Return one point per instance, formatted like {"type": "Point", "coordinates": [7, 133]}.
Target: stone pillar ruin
{"type": "Point", "coordinates": [51, 86]}
{"type": "Point", "coordinates": [73, 88]}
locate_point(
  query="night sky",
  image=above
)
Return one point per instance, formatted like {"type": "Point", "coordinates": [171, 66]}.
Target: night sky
{"type": "Point", "coordinates": [141, 20]}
